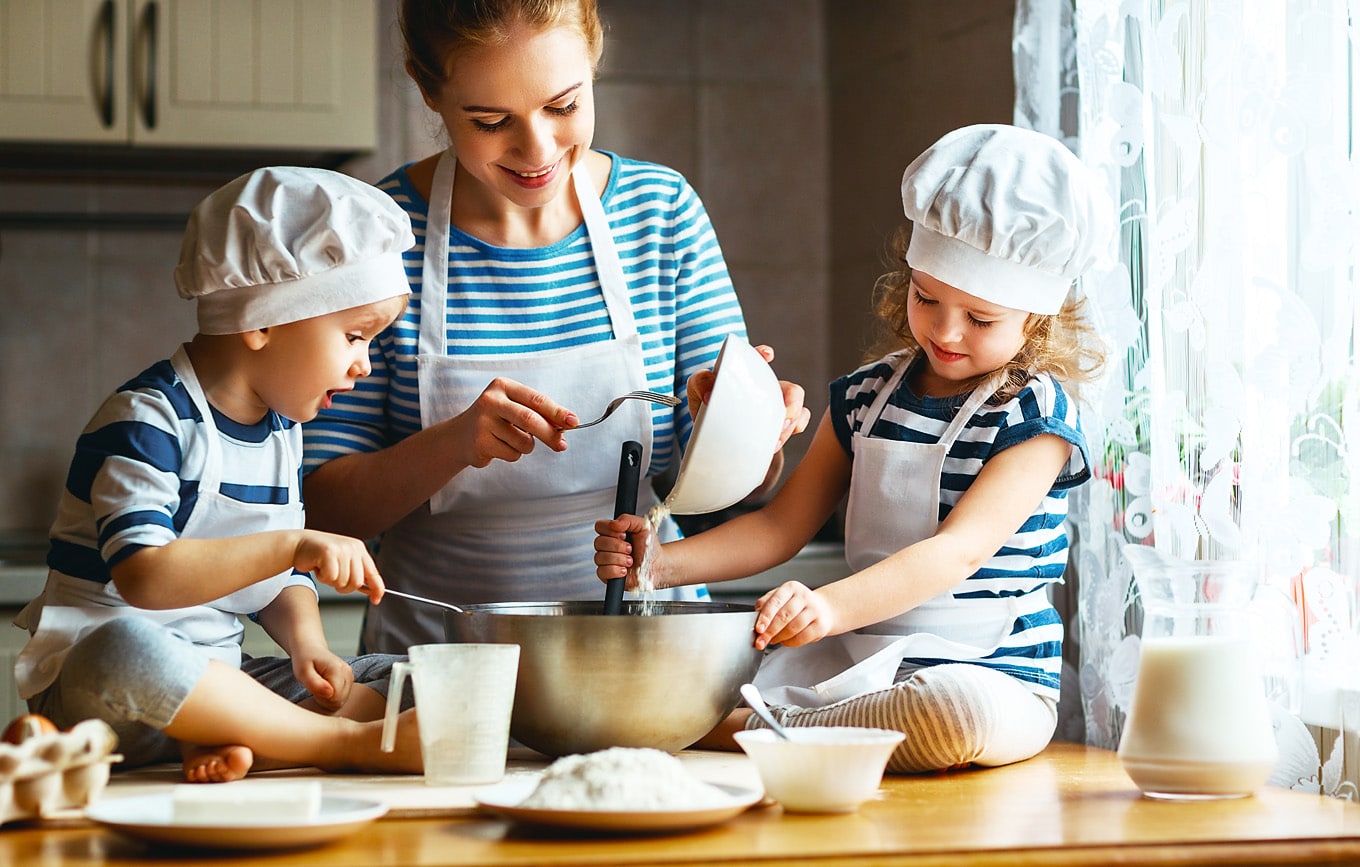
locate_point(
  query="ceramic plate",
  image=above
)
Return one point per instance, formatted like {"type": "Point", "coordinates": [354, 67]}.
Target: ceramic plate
{"type": "Point", "coordinates": [151, 818]}
{"type": "Point", "coordinates": [506, 798]}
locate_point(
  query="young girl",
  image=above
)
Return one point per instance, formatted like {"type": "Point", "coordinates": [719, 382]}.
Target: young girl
{"type": "Point", "coordinates": [957, 450]}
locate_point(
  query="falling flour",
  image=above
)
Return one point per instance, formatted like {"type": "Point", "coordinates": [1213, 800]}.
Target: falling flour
{"type": "Point", "coordinates": [622, 778]}
{"type": "Point", "coordinates": [646, 586]}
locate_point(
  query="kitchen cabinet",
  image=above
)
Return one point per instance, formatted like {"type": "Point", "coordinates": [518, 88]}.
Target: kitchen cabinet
{"type": "Point", "coordinates": [220, 74]}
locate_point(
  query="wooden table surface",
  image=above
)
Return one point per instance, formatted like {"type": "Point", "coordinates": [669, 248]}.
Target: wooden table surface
{"type": "Point", "coordinates": [1072, 805]}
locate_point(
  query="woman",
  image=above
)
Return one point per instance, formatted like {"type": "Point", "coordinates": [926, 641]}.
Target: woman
{"type": "Point", "coordinates": [565, 277]}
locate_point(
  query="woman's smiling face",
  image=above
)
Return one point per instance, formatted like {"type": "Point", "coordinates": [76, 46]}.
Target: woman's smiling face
{"type": "Point", "coordinates": [962, 336]}
{"type": "Point", "coordinates": [521, 114]}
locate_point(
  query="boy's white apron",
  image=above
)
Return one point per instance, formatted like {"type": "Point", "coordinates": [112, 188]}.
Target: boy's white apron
{"type": "Point", "coordinates": [476, 541]}
{"type": "Point", "coordinates": [69, 608]}
{"type": "Point", "coordinates": [894, 502]}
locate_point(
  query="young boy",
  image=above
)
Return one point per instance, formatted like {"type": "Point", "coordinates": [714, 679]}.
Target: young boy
{"type": "Point", "coordinates": [182, 507]}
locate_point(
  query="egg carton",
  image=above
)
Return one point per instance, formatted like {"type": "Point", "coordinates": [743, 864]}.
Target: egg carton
{"type": "Point", "coordinates": [47, 774]}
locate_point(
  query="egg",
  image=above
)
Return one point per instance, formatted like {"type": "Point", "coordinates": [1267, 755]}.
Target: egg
{"type": "Point", "coordinates": [30, 725]}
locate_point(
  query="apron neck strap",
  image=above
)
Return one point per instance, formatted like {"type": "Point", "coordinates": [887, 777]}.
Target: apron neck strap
{"type": "Point", "coordinates": [435, 270]}
{"type": "Point", "coordinates": [212, 466]}
{"type": "Point", "coordinates": [902, 362]}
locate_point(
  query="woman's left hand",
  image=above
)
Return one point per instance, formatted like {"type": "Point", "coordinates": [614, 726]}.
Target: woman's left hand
{"type": "Point", "coordinates": [796, 415]}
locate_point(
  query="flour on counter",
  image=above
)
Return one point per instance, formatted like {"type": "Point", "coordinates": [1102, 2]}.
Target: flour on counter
{"type": "Point", "coordinates": [622, 778]}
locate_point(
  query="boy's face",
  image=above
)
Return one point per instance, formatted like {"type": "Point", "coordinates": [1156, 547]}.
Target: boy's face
{"type": "Point", "coordinates": [303, 364]}
{"type": "Point", "coordinates": [962, 335]}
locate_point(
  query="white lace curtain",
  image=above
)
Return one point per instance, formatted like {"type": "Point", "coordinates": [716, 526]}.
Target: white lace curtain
{"type": "Point", "coordinates": [1227, 424]}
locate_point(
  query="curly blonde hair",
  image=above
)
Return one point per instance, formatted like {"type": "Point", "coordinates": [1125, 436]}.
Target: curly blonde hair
{"type": "Point", "coordinates": [1063, 345]}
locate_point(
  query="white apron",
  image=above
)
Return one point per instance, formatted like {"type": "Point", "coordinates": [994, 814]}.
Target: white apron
{"type": "Point", "coordinates": [518, 531]}
{"type": "Point", "coordinates": [69, 608]}
{"type": "Point", "coordinates": [894, 502]}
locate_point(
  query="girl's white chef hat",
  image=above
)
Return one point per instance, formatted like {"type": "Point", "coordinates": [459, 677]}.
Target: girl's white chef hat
{"type": "Point", "coordinates": [1005, 214]}
{"type": "Point", "coordinates": [283, 243]}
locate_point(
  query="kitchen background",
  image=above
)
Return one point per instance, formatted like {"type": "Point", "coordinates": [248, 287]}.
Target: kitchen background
{"type": "Point", "coordinates": [792, 118]}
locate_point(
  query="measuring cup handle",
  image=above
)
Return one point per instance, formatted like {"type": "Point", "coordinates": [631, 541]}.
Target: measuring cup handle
{"type": "Point", "coordinates": [400, 671]}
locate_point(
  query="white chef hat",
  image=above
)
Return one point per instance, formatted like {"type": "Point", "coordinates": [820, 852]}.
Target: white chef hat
{"type": "Point", "coordinates": [1005, 214]}
{"type": "Point", "coordinates": [281, 244]}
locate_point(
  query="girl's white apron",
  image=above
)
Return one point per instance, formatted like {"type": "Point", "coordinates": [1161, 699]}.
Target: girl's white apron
{"type": "Point", "coordinates": [513, 531]}
{"type": "Point", "coordinates": [894, 502]}
{"type": "Point", "coordinates": [69, 608]}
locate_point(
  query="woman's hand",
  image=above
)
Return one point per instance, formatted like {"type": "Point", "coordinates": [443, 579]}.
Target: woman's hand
{"type": "Point", "coordinates": [792, 614]}
{"type": "Point", "coordinates": [796, 415]}
{"type": "Point", "coordinates": [504, 422]}
{"type": "Point", "coordinates": [615, 557]}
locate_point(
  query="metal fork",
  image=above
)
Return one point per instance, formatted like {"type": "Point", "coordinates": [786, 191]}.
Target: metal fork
{"type": "Point", "coordinates": [653, 396]}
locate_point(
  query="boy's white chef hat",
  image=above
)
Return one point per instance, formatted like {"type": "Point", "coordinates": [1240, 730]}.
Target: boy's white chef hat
{"type": "Point", "coordinates": [284, 243]}
{"type": "Point", "coordinates": [1006, 214]}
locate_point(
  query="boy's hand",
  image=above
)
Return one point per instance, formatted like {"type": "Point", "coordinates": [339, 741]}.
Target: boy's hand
{"type": "Point", "coordinates": [342, 562]}
{"type": "Point", "coordinates": [326, 676]}
{"type": "Point", "coordinates": [792, 615]}
{"type": "Point", "coordinates": [615, 557]}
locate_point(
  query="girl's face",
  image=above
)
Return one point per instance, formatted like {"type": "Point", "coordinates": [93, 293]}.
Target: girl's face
{"type": "Point", "coordinates": [520, 114]}
{"type": "Point", "coordinates": [963, 337]}
{"type": "Point", "coordinates": [303, 364]}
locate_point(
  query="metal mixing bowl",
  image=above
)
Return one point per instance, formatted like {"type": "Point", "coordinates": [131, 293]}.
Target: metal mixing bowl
{"type": "Point", "coordinates": [589, 681]}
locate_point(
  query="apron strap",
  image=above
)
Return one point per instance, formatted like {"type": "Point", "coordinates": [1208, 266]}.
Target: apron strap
{"type": "Point", "coordinates": [211, 482]}
{"type": "Point", "coordinates": [434, 276]}
{"type": "Point", "coordinates": [435, 269]}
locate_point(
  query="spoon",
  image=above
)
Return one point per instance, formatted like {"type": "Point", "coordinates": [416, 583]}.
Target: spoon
{"type": "Point", "coordinates": [752, 697]}
{"type": "Point", "coordinates": [415, 598]}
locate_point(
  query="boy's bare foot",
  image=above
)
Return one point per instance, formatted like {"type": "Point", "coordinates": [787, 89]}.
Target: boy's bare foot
{"type": "Point", "coordinates": [216, 764]}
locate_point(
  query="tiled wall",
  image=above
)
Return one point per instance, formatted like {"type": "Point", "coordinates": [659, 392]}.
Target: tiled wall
{"type": "Point", "coordinates": [792, 118]}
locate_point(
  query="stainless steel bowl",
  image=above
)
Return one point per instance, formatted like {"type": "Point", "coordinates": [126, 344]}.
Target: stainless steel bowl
{"type": "Point", "coordinates": [588, 681]}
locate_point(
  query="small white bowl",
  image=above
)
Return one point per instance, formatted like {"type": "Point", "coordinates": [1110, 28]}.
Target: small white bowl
{"type": "Point", "coordinates": [823, 769]}
{"type": "Point", "coordinates": [734, 434]}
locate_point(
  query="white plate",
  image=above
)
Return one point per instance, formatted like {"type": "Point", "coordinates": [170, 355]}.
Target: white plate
{"type": "Point", "coordinates": [151, 818]}
{"type": "Point", "coordinates": [506, 799]}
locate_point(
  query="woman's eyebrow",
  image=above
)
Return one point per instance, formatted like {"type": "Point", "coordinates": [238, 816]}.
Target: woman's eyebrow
{"type": "Point", "coordinates": [490, 109]}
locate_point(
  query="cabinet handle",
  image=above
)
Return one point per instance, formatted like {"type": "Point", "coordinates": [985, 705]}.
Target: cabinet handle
{"type": "Point", "coordinates": [106, 24]}
{"type": "Point", "coordinates": [149, 16]}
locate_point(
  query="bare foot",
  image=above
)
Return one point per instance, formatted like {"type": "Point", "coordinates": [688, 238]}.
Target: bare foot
{"type": "Point", "coordinates": [216, 764]}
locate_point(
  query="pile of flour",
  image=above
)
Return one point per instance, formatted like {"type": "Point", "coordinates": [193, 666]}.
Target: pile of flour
{"type": "Point", "coordinates": [622, 778]}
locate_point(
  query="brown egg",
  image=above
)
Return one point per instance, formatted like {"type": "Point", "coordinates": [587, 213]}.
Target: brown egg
{"type": "Point", "coordinates": [30, 725]}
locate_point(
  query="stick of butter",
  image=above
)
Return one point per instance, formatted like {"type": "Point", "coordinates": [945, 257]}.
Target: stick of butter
{"type": "Point", "coordinates": [273, 802]}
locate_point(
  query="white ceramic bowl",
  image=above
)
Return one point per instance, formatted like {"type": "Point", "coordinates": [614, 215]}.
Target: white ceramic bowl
{"type": "Point", "coordinates": [734, 436]}
{"type": "Point", "coordinates": [822, 769]}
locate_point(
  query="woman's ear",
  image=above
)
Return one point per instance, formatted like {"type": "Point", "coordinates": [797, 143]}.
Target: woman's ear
{"type": "Point", "coordinates": [411, 71]}
{"type": "Point", "coordinates": [256, 339]}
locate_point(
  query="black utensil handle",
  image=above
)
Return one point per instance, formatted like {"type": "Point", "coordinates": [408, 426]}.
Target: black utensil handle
{"type": "Point", "coordinates": [625, 503]}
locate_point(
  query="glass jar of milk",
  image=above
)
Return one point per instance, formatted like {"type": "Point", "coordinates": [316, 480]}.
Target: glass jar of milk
{"type": "Point", "coordinates": [1199, 725]}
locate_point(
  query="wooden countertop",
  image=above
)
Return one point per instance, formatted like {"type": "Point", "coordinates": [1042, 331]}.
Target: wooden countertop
{"type": "Point", "coordinates": [1071, 805]}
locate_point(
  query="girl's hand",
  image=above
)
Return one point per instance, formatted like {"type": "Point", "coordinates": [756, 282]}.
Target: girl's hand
{"type": "Point", "coordinates": [796, 415]}
{"type": "Point", "coordinates": [326, 676]}
{"type": "Point", "coordinates": [616, 558]}
{"type": "Point", "coordinates": [504, 422]}
{"type": "Point", "coordinates": [792, 615]}
{"type": "Point", "coordinates": [342, 562]}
